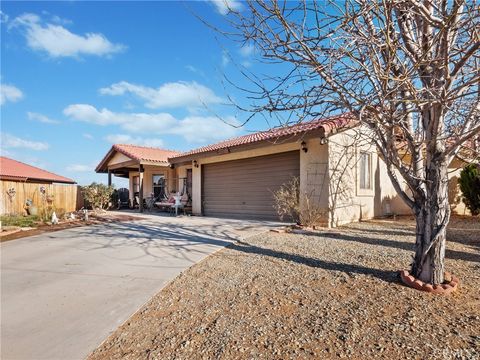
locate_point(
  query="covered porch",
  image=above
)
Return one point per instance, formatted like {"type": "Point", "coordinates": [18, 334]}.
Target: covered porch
{"type": "Point", "coordinates": [150, 175]}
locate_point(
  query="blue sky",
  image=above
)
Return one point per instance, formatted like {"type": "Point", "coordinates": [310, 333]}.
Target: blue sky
{"type": "Point", "coordinates": [79, 76]}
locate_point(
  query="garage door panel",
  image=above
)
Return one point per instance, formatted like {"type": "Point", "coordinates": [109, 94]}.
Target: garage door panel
{"type": "Point", "coordinates": [253, 177]}
{"type": "Point", "coordinates": [258, 187]}
{"type": "Point", "coordinates": [244, 188]}
{"type": "Point", "coordinates": [260, 169]}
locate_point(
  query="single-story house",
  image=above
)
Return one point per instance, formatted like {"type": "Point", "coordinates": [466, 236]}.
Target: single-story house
{"type": "Point", "coordinates": [341, 173]}
{"type": "Point", "coordinates": [20, 181]}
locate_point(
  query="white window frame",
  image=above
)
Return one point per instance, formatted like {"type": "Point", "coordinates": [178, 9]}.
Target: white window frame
{"type": "Point", "coordinates": [365, 190]}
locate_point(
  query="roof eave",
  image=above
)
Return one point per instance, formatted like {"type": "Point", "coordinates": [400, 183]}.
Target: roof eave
{"type": "Point", "coordinates": [155, 163]}
{"type": "Point", "coordinates": [291, 138]}
{"type": "Point", "coordinates": [102, 166]}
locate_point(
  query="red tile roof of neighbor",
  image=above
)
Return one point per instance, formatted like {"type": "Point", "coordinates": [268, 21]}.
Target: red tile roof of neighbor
{"type": "Point", "coordinates": [328, 126]}
{"type": "Point", "coordinates": [18, 171]}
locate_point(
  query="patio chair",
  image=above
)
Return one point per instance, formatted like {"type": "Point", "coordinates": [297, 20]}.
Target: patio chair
{"type": "Point", "coordinates": [136, 201]}
{"type": "Point", "coordinates": [187, 204]}
{"type": "Point", "coordinates": [123, 198]}
{"type": "Point", "coordinates": [149, 203]}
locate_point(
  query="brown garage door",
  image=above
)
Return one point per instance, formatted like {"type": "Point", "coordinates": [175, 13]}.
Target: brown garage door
{"type": "Point", "coordinates": [243, 188]}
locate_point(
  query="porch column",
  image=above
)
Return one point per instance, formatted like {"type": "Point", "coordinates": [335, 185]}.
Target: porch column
{"type": "Point", "coordinates": [196, 189]}
{"type": "Point", "coordinates": [140, 195]}
{"type": "Point", "coordinates": [109, 178]}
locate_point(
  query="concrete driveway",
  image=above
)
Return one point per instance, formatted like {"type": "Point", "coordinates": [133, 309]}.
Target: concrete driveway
{"type": "Point", "coordinates": [63, 293]}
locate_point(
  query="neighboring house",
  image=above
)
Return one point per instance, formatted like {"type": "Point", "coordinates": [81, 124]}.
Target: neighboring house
{"type": "Point", "coordinates": [20, 181]}
{"type": "Point", "coordinates": [339, 170]}
{"type": "Point", "coordinates": [14, 170]}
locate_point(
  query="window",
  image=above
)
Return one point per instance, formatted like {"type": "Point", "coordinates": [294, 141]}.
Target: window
{"type": "Point", "coordinates": [158, 182]}
{"type": "Point", "coordinates": [136, 184]}
{"type": "Point", "coordinates": [365, 170]}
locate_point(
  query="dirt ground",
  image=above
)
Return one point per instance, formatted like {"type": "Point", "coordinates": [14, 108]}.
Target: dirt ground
{"type": "Point", "coordinates": [43, 228]}
{"type": "Point", "coordinates": [324, 295]}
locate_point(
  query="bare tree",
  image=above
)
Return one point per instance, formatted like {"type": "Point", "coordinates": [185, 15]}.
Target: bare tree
{"type": "Point", "coordinates": [406, 69]}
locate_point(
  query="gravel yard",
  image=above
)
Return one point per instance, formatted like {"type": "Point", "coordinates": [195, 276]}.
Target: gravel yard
{"type": "Point", "coordinates": [326, 295]}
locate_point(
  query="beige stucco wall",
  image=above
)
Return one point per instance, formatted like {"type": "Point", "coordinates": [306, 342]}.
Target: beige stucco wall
{"type": "Point", "coordinates": [347, 202]}
{"type": "Point", "coordinates": [118, 158]}
{"type": "Point", "coordinates": [314, 176]}
{"type": "Point", "coordinates": [454, 192]}
{"type": "Point", "coordinates": [388, 197]}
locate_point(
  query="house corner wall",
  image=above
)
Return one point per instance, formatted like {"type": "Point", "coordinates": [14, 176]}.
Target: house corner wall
{"type": "Point", "coordinates": [314, 176]}
{"type": "Point", "coordinates": [347, 202]}
{"type": "Point", "coordinates": [391, 203]}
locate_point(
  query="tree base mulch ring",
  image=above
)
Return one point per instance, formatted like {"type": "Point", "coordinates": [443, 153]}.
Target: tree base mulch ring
{"type": "Point", "coordinates": [450, 285]}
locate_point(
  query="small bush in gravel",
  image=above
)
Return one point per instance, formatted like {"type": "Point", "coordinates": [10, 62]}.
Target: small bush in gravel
{"type": "Point", "coordinates": [470, 185]}
{"type": "Point", "coordinates": [291, 204]}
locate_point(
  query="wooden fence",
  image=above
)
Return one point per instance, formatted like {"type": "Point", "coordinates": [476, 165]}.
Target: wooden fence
{"type": "Point", "coordinates": [66, 198]}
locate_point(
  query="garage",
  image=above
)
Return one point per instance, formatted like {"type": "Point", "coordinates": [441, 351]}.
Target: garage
{"type": "Point", "coordinates": [243, 188]}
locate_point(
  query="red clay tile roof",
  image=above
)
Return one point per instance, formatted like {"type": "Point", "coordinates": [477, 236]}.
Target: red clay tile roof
{"type": "Point", "coordinates": [18, 171]}
{"type": "Point", "coordinates": [143, 153]}
{"type": "Point", "coordinates": [328, 125]}
{"type": "Point", "coordinates": [138, 153]}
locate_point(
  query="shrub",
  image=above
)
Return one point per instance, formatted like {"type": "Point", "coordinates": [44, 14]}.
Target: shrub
{"type": "Point", "coordinates": [46, 213]}
{"type": "Point", "coordinates": [287, 204]}
{"type": "Point", "coordinates": [470, 186]}
{"type": "Point", "coordinates": [97, 195]}
{"type": "Point", "coordinates": [287, 200]}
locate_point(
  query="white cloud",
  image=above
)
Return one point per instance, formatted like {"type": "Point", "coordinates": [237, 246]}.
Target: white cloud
{"type": "Point", "coordinates": [225, 58]}
{"type": "Point", "coordinates": [9, 141]}
{"type": "Point", "coordinates": [195, 70]}
{"type": "Point", "coordinates": [3, 17]}
{"type": "Point", "coordinates": [195, 129]}
{"type": "Point", "coordinates": [133, 122]}
{"type": "Point", "coordinates": [9, 93]}
{"type": "Point", "coordinates": [201, 129]}
{"type": "Point", "coordinates": [88, 136]}
{"type": "Point", "coordinates": [128, 139]}
{"type": "Point", "coordinates": [247, 50]}
{"type": "Point", "coordinates": [191, 68]}
{"type": "Point", "coordinates": [224, 6]}
{"type": "Point", "coordinates": [80, 168]}
{"type": "Point", "coordinates": [58, 41]}
{"type": "Point", "coordinates": [41, 118]}
{"type": "Point", "coordinates": [169, 95]}
{"type": "Point", "coordinates": [88, 113]}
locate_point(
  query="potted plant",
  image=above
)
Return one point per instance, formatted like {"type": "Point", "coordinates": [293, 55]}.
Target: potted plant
{"type": "Point", "coordinates": [31, 209]}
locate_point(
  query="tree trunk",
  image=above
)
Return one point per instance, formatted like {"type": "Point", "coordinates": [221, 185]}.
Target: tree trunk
{"type": "Point", "coordinates": [432, 218]}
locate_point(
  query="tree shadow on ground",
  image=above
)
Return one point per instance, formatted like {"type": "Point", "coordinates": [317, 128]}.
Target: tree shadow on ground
{"type": "Point", "coordinates": [385, 275]}
{"type": "Point", "coordinates": [153, 240]}
{"type": "Point", "coordinates": [402, 245]}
